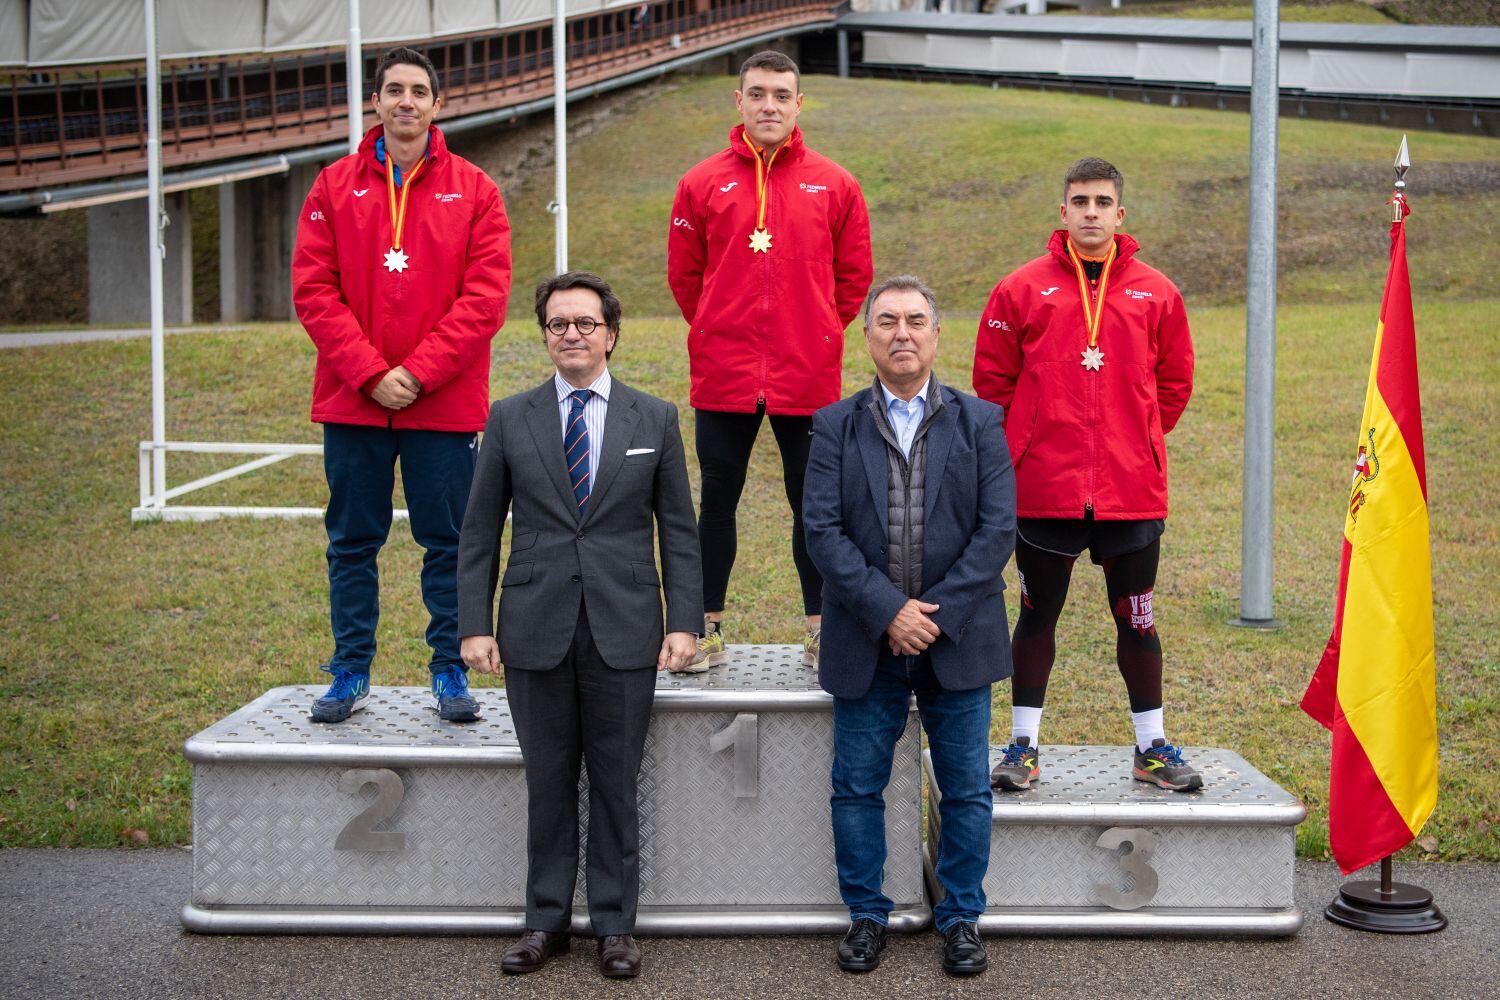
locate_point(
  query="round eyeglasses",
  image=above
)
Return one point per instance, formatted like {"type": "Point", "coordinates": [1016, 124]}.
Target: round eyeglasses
{"type": "Point", "coordinates": [558, 327]}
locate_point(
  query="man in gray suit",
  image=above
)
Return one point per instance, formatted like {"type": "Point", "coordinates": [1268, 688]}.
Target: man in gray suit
{"type": "Point", "coordinates": [910, 510]}
{"type": "Point", "coordinates": [583, 463]}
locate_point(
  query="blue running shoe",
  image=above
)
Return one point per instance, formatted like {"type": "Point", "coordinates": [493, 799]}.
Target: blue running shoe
{"type": "Point", "coordinates": [1162, 765]}
{"type": "Point", "coordinates": [1019, 766]}
{"type": "Point", "coordinates": [450, 692]}
{"type": "Point", "coordinates": [349, 693]}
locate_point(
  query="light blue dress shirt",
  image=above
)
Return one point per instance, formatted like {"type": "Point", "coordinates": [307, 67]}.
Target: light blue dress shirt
{"type": "Point", "coordinates": [593, 413]}
{"type": "Point", "coordinates": [905, 417]}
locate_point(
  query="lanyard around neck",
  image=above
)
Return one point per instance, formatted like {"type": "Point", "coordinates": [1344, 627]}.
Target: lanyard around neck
{"type": "Point", "coordinates": [762, 180]}
{"type": "Point", "coordinates": [398, 211]}
{"type": "Point", "coordinates": [1091, 313]}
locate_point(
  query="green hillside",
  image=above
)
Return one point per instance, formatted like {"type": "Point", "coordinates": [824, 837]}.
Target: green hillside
{"type": "Point", "coordinates": [964, 182]}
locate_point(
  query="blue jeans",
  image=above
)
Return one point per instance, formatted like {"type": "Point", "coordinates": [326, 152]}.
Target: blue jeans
{"type": "Point", "coordinates": [436, 470]}
{"type": "Point", "coordinates": [865, 731]}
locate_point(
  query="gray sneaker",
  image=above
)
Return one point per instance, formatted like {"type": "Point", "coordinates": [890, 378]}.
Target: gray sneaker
{"type": "Point", "coordinates": [1018, 768]}
{"type": "Point", "coordinates": [1163, 765]}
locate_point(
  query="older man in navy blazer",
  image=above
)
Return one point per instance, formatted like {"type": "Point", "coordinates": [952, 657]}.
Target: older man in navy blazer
{"type": "Point", "coordinates": [910, 517]}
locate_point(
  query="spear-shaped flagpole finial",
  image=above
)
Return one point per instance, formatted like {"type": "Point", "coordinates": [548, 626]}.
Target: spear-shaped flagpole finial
{"type": "Point", "coordinates": [1403, 163]}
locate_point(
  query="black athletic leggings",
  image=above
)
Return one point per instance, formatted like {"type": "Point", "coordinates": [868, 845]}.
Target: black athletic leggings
{"type": "Point", "coordinates": [724, 443]}
{"type": "Point", "coordinates": [1129, 579]}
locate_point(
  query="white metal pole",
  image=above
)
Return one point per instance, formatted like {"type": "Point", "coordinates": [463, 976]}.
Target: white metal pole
{"type": "Point", "coordinates": [354, 79]}
{"type": "Point", "coordinates": [156, 252]}
{"type": "Point", "coordinates": [1260, 327]}
{"type": "Point", "coordinates": [560, 127]}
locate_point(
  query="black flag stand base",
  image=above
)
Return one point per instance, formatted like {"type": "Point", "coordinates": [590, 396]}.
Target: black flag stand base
{"type": "Point", "coordinates": [1386, 907]}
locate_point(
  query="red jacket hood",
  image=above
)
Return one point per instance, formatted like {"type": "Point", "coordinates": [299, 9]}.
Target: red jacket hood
{"type": "Point", "coordinates": [791, 150]}
{"type": "Point", "coordinates": [437, 147]}
{"type": "Point", "coordinates": [1057, 246]}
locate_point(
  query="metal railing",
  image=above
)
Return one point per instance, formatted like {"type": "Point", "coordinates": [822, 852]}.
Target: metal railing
{"type": "Point", "coordinates": [89, 122]}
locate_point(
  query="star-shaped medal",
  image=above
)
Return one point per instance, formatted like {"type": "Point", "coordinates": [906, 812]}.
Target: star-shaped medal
{"type": "Point", "coordinates": [1093, 358]}
{"type": "Point", "coordinates": [760, 241]}
{"type": "Point", "coordinates": [395, 260]}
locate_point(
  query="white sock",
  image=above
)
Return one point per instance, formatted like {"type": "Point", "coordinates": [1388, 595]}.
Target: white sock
{"type": "Point", "coordinates": [1148, 727]}
{"type": "Point", "coordinates": [1025, 721]}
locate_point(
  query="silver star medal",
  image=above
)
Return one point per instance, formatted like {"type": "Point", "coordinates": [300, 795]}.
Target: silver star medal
{"type": "Point", "coordinates": [1093, 358]}
{"type": "Point", "coordinates": [395, 260]}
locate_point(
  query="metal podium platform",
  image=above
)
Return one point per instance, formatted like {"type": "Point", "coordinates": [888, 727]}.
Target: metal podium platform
{"type": "Point", "coordinates": [396, 822]}
{"type": "Point", "coordinates": [1090, 850]}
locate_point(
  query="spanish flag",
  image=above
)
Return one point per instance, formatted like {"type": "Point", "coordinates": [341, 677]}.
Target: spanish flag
{"type": "Point", "coordinates": [1375, 686]}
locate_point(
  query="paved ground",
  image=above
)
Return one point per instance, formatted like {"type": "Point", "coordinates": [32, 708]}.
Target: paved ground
{"type": "Point", "coordinates": [43, 338]}
{"type": "Point", "coordinates": [104, 924]}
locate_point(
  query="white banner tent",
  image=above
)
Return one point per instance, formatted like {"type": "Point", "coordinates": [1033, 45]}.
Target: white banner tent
{"type": "Point", "coordinates": [464, 14]}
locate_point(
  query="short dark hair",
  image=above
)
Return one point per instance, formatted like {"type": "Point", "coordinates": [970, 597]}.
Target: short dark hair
{"type": "Point", "coordinates": [1091, 168]}
{"type": "Point", "coordinates": [904, 283]}
{"type": "Point", "coordinates": [407, 57]}
{"type": "Point", "coordinates": [776, 62]}
{"type": "Point", "coordinates": [609, 301]}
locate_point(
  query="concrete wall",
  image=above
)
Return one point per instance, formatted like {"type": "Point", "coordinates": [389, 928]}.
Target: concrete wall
{"type": "Point", "coordinates": [120, 269]}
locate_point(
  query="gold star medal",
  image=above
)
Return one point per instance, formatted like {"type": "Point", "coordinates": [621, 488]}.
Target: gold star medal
{"type": "Point", "coordinates": [760, 240]}
{"type": "Point", "coordinates": [396, 259]}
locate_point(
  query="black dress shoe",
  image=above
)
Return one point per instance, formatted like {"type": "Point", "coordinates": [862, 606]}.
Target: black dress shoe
{"type": "Point", "coordinates": [531, 952]}
{"type": "Point", "coordinates": [861, 947]}
{"type": "Point", "coordinates": [963, 952]}
{"type": "Point", "coordinates": [619, 956]}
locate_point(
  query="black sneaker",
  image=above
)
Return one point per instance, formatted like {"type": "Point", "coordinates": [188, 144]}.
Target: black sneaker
{"type": "Point", "coordinates": [1163, 765]}
{"type": "Point", "coordinates": [861, 947]}
{"type": "Point", "coordinates": [963, 952]}
{"type": "Point", "coordinates": [450, 693]}
{"type": "Point", "coordinates": [1019, 766]}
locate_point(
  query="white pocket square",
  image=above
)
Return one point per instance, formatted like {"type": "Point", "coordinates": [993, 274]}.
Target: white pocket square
{"type": "Point", "coordinates": [638, 451]}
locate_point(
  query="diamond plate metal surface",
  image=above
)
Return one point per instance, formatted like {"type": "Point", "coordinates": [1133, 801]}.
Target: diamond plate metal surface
{"type": "Point", "coordinates": [267, 809]}
{"type": "Point", "coordinates": [1230, 846]}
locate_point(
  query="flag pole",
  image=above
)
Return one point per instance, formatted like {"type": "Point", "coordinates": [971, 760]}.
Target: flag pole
{"type": "Point", "coordinates": [1388, 906]}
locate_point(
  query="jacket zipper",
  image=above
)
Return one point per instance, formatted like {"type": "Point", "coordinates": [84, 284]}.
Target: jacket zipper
{"type": "Point", "coordinates": [1093, 377]}
{"type": "Point", "coordinates": [906, 585]}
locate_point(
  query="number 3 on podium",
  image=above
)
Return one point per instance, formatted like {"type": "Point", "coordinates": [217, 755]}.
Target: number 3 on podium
{"type": "Point", "coordinates": [1135, 862]}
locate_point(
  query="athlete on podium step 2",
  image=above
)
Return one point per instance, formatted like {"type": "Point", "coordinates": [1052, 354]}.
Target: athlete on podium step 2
{"type": "Point", "coordinates": [768, 255]}
{"type": "Point", "coordinates": [1088, 350]}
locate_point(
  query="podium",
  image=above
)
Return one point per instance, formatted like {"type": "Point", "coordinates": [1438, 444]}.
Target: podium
{"type": "Point", "coordinates": [1090, 850]}
{"type": "Point", "coordinates": [395, 822]}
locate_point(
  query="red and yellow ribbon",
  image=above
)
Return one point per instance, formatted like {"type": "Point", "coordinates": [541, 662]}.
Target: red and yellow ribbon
{"type": "Point", "coordinates": [762, 181]}
{"type": "Point", "coordinates": [398, 213]}
{"type": "Point", "coordinates": [1091, 314]}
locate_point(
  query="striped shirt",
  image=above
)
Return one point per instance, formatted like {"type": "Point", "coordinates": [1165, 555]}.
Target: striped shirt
{"type": "Point", "coordinates": [593, 413]}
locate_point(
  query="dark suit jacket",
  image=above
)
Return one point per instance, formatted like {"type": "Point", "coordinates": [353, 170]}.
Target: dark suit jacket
{"type": "Point", "coordinates": [606, 559]}
{"type": "Point", "coordinates": [969, 533]}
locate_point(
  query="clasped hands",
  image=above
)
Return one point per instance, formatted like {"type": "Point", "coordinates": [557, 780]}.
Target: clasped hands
{"type": "Point", "coordinates": [482, 653]}
{"type": "Point", "coordinates": [398, 388]}
{"type": "Point", "coordinates": [911, 631]}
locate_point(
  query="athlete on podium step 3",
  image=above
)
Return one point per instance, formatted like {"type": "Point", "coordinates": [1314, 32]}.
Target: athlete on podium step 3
{"type": "Point", "coordinates": [1088, 350]}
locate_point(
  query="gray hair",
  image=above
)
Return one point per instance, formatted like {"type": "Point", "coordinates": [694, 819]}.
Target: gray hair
{"type": "Point", "coordinates": [901, 282]}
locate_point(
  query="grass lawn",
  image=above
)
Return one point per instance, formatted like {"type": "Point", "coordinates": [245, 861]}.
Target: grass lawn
{"type": "Point", "coordinates": [118, 641]}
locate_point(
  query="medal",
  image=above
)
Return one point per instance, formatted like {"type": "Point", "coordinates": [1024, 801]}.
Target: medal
{"type": "Point", "coordinates": [396, 259]}
{"type": "Point", "coordinates": [760, 240]}
{"type": "Point", "coordinates": [1093, 358]}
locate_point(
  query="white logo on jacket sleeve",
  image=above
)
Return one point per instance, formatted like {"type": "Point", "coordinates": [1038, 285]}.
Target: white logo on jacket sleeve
{"type": "Point", "coordinates": [682, 224]}
{"type": "Point", "coordinates": [317, 216]}
{"type": "Point", "coordinates": [1049, 291]}
{"type": "Point", "coordinates": [727, 187]}
{"type": "Point", "coordinates": [998, 324]}
{"type": "Point", "coordinates": [360, 192]}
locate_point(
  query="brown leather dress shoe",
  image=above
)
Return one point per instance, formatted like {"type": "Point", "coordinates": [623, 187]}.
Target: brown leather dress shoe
{"type": "Point", "coordinates": [531, 952]}
{"type": "Point", "coordinates": [619, 956]}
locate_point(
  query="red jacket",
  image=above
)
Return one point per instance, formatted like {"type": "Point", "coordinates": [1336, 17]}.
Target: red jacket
{"type": "Point", "coordinates": [436, 317]}
{"type": "Point", "coordinates": [1081, 438]}
{"type": "Point", "coordinates": [768, 327]}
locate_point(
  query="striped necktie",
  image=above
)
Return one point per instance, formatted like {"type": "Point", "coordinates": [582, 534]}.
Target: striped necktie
{"type": "Point", "coordinates": [576, 447]}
